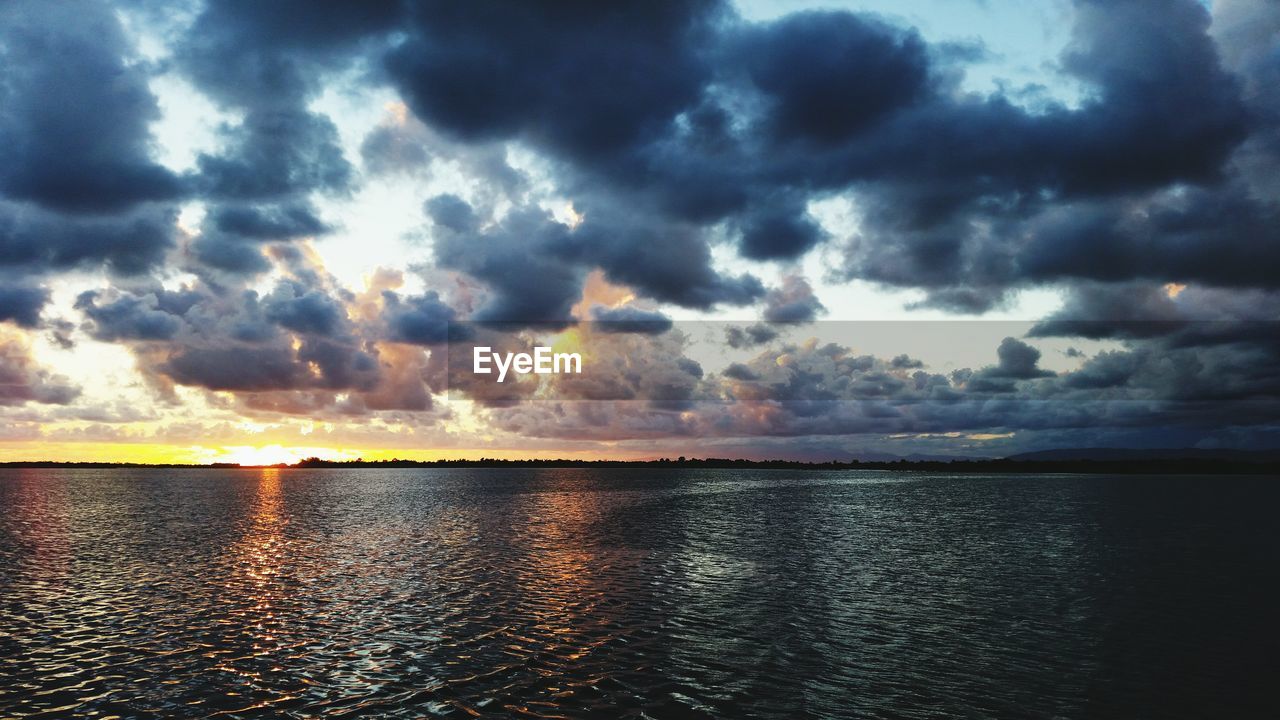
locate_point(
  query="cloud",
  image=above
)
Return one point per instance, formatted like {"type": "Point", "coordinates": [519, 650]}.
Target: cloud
{"type": "Point", "coordinates": [260, 56]}
{"type": "Point", "coordinates": [402, 145]}
{"type": "Point", "coordinates": [275, 154]}
{"type": "Point", "coordinates": [420, 320]}
{"type": "Point", "coordinates": [668, 262]}
{"type": "Point", "coordinates": [38, 241]}
{"type": "Point", "coordinates": [629, 319]}
{"type": "Point", "coordinates": [21, 381]}
{"type": "Point", "coordinates": [738, 337]}
{"type": "Point", "coordinates": [75, 111]}
{"type": "Point", "coordinates": [829, 75]}
{"type": "Point", "coordinates": [265, 66]}
{"type": "Point", "coordinates": [128, 317]}
{"type": "Point", "coordinates": [905, 362]}
{"type": "Point", "coordinates": [964, 196]}
{"type": "Point", "coordinates": [587, 80]}
{"type": "Point", "coordinates": [793, 302]}
{"type": "Point", "coordinates": [518, 260]}
{"type": "Point", "coordinates": [294, 349]}
{"type": "Point", "coordinates": [779, 231]}
{"type": "Point", "coordinates": [21, 303]}
{"type": "Point", "coordinates": [269, 222]}
{"type": "Point", "coordinates": [235, 368]}
{"type": "Point", "coordinates": [649, 368]}
{"type": "Point", "coordinates": [303, 310]}
{"type": "Point", "coordinates": [1018, 361]}
{"type": "Point", "coordinates": [738, 371]}
{"type": "Point", "coordinates": [685, 140]}
{"type": "Point", "coordinates": [229, 255]}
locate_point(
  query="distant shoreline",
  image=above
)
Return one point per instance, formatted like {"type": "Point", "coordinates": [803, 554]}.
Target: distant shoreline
{"type": "Point", "coordinates": [1170, 466]}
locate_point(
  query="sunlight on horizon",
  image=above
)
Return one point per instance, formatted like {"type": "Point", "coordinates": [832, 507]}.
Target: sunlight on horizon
{"type": "Point", "coordinates": [278, 454]}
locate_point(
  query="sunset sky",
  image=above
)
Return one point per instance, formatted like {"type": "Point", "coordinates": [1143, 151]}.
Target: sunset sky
{"type": "Point", "coordinates": [251, 232]}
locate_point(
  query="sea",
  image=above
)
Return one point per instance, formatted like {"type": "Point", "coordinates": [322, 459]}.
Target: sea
{"type": "Point", "coordinates": [636, 593]}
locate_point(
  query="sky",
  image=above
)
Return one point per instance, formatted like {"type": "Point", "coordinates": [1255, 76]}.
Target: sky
{"type": "Point", "coordinates": [258, 232]}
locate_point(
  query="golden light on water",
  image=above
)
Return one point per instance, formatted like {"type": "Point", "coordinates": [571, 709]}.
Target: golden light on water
{"type": "Point", "coordinates": [255, 593]}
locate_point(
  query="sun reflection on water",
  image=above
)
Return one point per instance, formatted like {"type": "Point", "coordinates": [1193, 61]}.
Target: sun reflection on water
{"type": "Point", "coordinates": [262, 552]}
{"type": "Point", "coordinates": [255, 591]}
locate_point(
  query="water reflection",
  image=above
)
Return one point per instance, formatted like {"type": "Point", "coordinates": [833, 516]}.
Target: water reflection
{"type": "Point", "coordinates": [559, 602]}
{"type": "Point", "coordinates": [630, 594]}
{"type": "Point", "coordinates": [36, 521]}
{"type": "Point", "coordinates": [251, 636]}
{"type": "Point", "coordinates": [261, 553]}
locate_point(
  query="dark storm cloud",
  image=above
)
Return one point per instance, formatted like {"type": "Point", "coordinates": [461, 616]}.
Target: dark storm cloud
{"type": "Point", "coordinates": [673, 117]}
{"type": "Point", "coordinates": [961, 194]}
{"type": "Point", "coordinates": [1220, 236]}
{"type": "Point", "coordinates": [128, 244]}
{"type": "Point", "coordinates": [75, 110]}
{"type": "Point", "coordinates": [269, 222]}
{"type": "Point", "coordinates": [588, 79]}
{"type": "Point", "coordinates": [779, 231]}
{"type": "Point", "coordinates": [230, 255]}
{"type": "Point", "coordinates": [1170, 317]}
{"type": "Point", "coordinates": [517, 259]}
{"type": "Point", "coordinates": [676, 116]}
{"type": "Point", "coordinates": [628, 319]}
{"type": "Point", "coordinates": [302, 310]}
{"type": "Point", "coordinates": [390, 148]}
{"type": "Point", "coordinates": [1018, 361]}
{"type": "Point", "coordinates": [1052, 196]}
{"type": "Point", "coordinates": [666, 261]}
{"type": "Point", "coordinates": [342, 365]}
{"type": "Point", "coordinates": [235, 368]}
{"type": "Point", "coordinates": [402, 144]}
{"type": "Point", "coordinates": [1113, 311]}
{"type": "Point", "coordinates": [1107, 369]}
{"type": "Point", "coordinates": [535, 265]}
{"type": "Point", "coordinates": [1203, 354]}
{"type": "Point", "coordinates": [1124, 139]}
{"type": "Point", "coordinates": [420, 320]}
{"type": "Point", "coordinates": [451, 213]}
{"type": "Point", "coordinates": [21, 303]}
{"type": "Point", "coordinates": [128, 317]}
{"type": "Point", "coordinates": [78, 183]}
{"type": "Point", "coordinates": [799, 60]}
{"type": "Point", "coordinates": [266, 63]}
{"type": "Point", "coordinates": [594, 83]}
{"type": "Point", "coordinates": [272, 54]}
{"type": "Point", "coordinates": [1246, 31]}
{"type": "Point", "coordinates": [276, 154]}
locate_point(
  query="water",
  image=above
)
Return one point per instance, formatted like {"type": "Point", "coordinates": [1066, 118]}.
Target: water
{"type": "Point", "coordinates": [635, 593]}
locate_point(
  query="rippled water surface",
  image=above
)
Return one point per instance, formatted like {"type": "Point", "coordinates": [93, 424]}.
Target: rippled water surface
{"type": "Point", "coordinates": [635, 593]}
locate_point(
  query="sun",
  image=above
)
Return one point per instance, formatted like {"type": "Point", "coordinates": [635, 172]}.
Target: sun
{"type": "Point", "coordinates": [275, 454]}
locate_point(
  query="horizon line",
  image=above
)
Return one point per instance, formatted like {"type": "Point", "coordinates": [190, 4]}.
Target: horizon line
{"type": "Point", "coordinates": [1165, 461]}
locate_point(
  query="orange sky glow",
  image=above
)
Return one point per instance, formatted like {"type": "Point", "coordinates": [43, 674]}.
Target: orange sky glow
{"type": "Point", "coordinates": [158, 453]}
